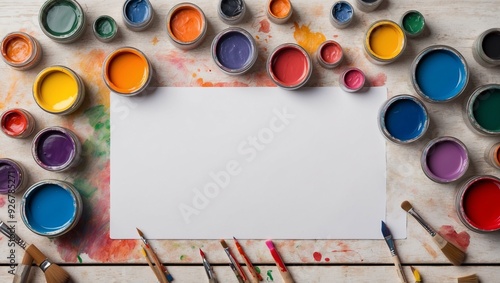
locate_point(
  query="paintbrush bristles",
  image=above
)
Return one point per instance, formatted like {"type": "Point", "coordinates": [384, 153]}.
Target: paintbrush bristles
{"type": "Point", "coordinates": [406, 205]}
{"type": "Point", "coordinates": [54, 273]}
{"type": "Point", "coordinates": [468, 279]}
{"type": "Point", "coordinates": [224, 244]}
{"type": "Point", "coordinates": [27, 259]}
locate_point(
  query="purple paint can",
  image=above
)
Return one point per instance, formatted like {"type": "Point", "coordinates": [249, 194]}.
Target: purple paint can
{"type": "Point", "coordinates": [12, 176]}
{"type": "Point", "coordinates": [56, 149]}
{"type": "Point", "coordinates": [234, 51]}
{"type": "Point", "coordinates": [445, 159]}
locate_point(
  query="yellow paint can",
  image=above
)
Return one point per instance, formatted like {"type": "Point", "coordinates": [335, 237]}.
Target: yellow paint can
{"type": "Point", "coordinates": [385, 41]}
{"type": "Point", "coordinates": [58, 90]}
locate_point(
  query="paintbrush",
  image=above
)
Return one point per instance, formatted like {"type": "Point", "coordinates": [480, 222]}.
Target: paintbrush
{"type": "Point", "coordinates": [454, 254]}
{"type": "Point", "coordinates": [287, 277]}
{"type": "Point", "coordinates": [208, 268]}
{"type": "Point", "coordinates": [53, 272]}
{"type": "Point", "coordinates": [23, 270]}
{"type": "Point", "coordinates": [256, 276]}
{"type": "Point", "coordinates": [468, 279]}
{"type": "Point", "coordinates": [164, 272]}
{"type": "Point", "coordinates": [416, 274]}
{"type": "Point", "coordinates": [238, 271]}
{"type": "Point", "coordinates": [390, 243]}
{"type": "Point", "coordinates": [155, 270]}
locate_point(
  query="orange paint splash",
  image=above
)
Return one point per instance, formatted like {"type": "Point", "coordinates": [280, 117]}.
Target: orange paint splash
{"type": "Point", "coordinates": [202, 83]}
{"type": "Point", "coordinates": [155, 40]}
{"type": "Point", "coordinates": [90, 69]}
{"type": "Point", "coordinates": [430, 250]}
{"type": "Point", "coordinates": [309, 40]}
{"type": "Point", "coordinates": [265, 26]}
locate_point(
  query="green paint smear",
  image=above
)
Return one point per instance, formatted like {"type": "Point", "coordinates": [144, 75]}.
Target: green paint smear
{"type": "Point", "coordinates": [85, 188]}
{"type": "Point", "coordinates": [61, 18]}
{"type": "Point", "coordinates": [257, 269]}
{"type": "Point", "coordinates": [413, 22]}
{"type": "Point", "coordinates": [105, 27]}
{"type": "Point", "coordinates": [486, 110]}
{"type": "Point", "coordinates": [182, 257]}
{"type": "Point", "coordinates": [79, 259]}
{"type": "Point", "coordinates": [270, 275]}
{"type": "Point", "coordinates": [98, 146]}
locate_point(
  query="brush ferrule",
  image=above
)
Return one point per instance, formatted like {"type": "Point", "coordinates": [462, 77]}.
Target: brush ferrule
{"type": "Point", "coordinates": [10, 233]}
{"type": "Point", "coordinates": [422, 222]}
{"type": "Point", "coordinates": [45, 265]}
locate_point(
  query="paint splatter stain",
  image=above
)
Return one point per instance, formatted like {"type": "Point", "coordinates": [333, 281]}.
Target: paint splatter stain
{"type": "Point", "coordinates": [194, 75]}
{"type": "Point", "coordinates": [90, 68]}
{"type": "Point", "coordinates": [79, 259]}
{"type": "Point", "coordinates": [378, 80]}
{"type": "Point", "coordinates": [2, 201]}
{"type": "Point", "coordinates": [309, 40]}
{"type": "Point", "coordinates": [327, 259]}
{"type": "Point", "coordinates": [317, 256]}
{"type": "Point", "coordinates": [461, 240]}
{"type": "Point", "coordinates": [269, 276]}
{"type": "Point", "coordinates": [257, 37]}
{"type": "Point", "coordinates": [265, 26]}
{"type": "Point", "coordinates": [202, 83]}
{"type": "Point", "coordinates": [430, 250]}
{"type": "Point", "coordinates": [182, 257]}
{"type": "Point", "coordinates": [155, 40]}
{"type": "Point", "coordinates": [257, 269]}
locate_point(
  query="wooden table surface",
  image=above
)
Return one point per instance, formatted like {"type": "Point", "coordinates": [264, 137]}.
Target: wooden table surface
{"type": "Point", "coordinates": [88, 253]}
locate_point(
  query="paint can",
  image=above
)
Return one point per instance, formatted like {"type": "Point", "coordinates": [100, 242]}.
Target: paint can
{"type": "Point", "coordinates": [485, 48]}
{"type": "Point", "coordinates": [17, 123]}
{"type": "Point", "coordinates": [21, 51]}
{"type": "Point", "coordinates": [186, 25]}
{"type": "Point", "coordinates": [482, 110]}
{"type": "Point", "coordinates": [445, 159]}
{"type": "Point", "coordinates": [105, 28]}
{"type": "Point", "coordinates": [13, 177]}
{"type": "Point", "coordinates": [445, 63]}
{"type": "Point", "coordinates": [341, 14]}
{"type": "Point", "coordinates": [231, 12]}
{"type": "Point", "coordinates": [403, 119]}
{"type": "Point", "coordinates": [352, 80]}
{"type": "Point", "coordinates": [492, 155]}
{"type": "Point", "coordinates": [330, 54]}
{"type": "Point", "coordinates": [413, 23]}
{"type": "Point", "coordinates": [62, 20]}
{"type": "Point", "coordinates": [385, 41]}
{"type": "Point", "coordinates": [279, 11]}
{"type": "Point", "coordinates": [137, 14]}
{"type": "Point", "coordinates": [127, 71]}
{"type": "Point", "coordinates": [289, 66]}
{"type": "Point", "coordinates": [234, 51]}
{"type": "Point", "coordinates": [51, 208]}
{"type": "Point", "coordinates": [477, 204]}
{"type": "Point", "coordinates": [367, 5]}
{"type": "Point", "coordinates": [58, 90]}
{"type": "Point", "coordinates": [56, 149]}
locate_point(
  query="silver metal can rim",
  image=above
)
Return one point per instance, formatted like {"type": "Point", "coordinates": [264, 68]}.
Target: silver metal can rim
{"type": "Point", "coordinates": [320, 59]}
{"type": "Point", "coordinates": [189, 44]}
{"type": "Point", "coordinates": [407, 32]}
{"type": "Point", "coordinates": [20, 171]}
{"type": "Point", "coordinates": [459, 202]}
{"type": "Point", "coordinates": [68, 37]}
{"type": "Point", "coordinates": [253, 56]}
{"type": "Point", "coordinates": [426, 169]}
{"type": "Point", "coordinates": [334, 21]}
{"type": "Point", "coordinates": [231, 20]}
{"type": "Point", "coordinates": [383, 111]}
{"type": "Point", "coordinates": [470, 109]}
{"type": "Point", "coordinates": [479, 41]}
{"type": "Point", "coordinates": [276, 80]}
{"type": "Point", "coordinates": [74, 157]}
{"type": "Point", "coordinates": [137, 26]}
{"type": "Point", "coordinates": [426, 51]}
{"type": "Point", "coordinates": [368, 6]}
{"type": "Point", "coordinates": [77, 201]}
{"type": "Point", "coordinates": [105, 38]}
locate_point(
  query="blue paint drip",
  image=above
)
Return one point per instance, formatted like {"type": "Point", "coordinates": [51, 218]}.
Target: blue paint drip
{"type": "Point", "coordinates": [50, 208]}
{"type": "Point", "coordinates": [342, 12]}
{"type": "Point", "coordinates": [441, 75]}
{"type": "Point", "coordinates": [138, 11]}
{"type": "Point", "coordinates": [405, 119]}
{"type": "Point", "coordinates": [234, 50]}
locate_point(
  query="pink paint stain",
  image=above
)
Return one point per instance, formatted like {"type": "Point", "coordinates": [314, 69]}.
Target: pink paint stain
{"type": "Point", "coordinates": [265, 26]}
{"type": "Point", "coordinates": [317, 256]}
{"type": "Point", "coordinates": [461, 240]}
{"type": "Point", "coordinates": [327, 259]}
{"type": "Point", "coordinates": [378, 80]}
{"type": "Point", "coordinates": [2, 201]}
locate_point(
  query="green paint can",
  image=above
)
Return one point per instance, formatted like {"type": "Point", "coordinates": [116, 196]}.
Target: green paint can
{"type": "Point", "coordinates": [62, 20]}
{"type": "Point", "coordinates": [105, 28]}
{"type": "Point", "coordinates": [413, 23]}
{"type": "Point", "coordinates": [482, 110]}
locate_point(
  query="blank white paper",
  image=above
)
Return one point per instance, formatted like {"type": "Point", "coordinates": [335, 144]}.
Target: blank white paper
{"type": "Point", "coordinates": [255, 163]}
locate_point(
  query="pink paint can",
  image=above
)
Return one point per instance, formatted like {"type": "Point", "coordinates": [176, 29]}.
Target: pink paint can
{"type": "Point", "coordinates": [352, 80]}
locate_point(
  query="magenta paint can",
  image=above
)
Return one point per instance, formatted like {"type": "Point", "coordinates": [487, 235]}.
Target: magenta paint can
{"type": "Point", "coordinates": [56, 149]}
{"type": "Point", "coordinates": [352, 80]}
{"type": "Point", "coordinates": [13, 177]}
{"type": "Point", "coordinates": [445, 159]}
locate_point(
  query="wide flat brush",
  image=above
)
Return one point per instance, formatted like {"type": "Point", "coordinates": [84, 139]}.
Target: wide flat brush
{"type": "Point", "coordinates": [454, 254]}
{"type": "Point", "coordinates": [468, 279]}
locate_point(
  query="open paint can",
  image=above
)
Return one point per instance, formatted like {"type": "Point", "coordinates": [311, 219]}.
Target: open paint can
{"type": "Point", "coordinates": [477, 204]}
{"type": "Point", "coordinates": [413, 23]}
{"type": "Point", "coordinates": [482, 110]}
{"type": "Point", "coordinates": [231, 12]}
{"type": "Point", "coordinates": [341, 14]}
{"type": "Point", "coordinates": [137, 14]}
{"type": "Point", "coordinates": [289, 66]}
{"type": "Point", "coordinates": [17, 123]}
{"type": "Point", "coordinates": [439, 74]}
{"type": "Point", "coordinates": [279, 11]}
{"type": "Point", "coordinates": [492, 155]}
{"type": "Point", "coordinates": [385, 41]}
{"type": "Point", "coordinates": [186, 26]}
{"type": "Point", "coordinates": [330, 54]}
{"type": "Point", "coordinates": [445, 159]}
{"type": "Point", "coordinates": [234, 51]}
{"type": "Point", "coordinates": [51, 208]}
{"type": "Point", "coordinates": [13, 177]}
{"type": "Point", "coordinates": [56, 149]}
{"type": "Point", "coordinates": [62, 20]}
{"type": "Point", "coordinates": [403, 119]}
{"type": "Point", "coordinates": [486, 49]}
{"type": "Point", "coordinates": [105, 28]}
{"type": "Point", "coordinates": [21, 51]}
{"type": "Point", "coordinates": [352, 80]}
{"type": "Point", "coordinates": [367, 5]}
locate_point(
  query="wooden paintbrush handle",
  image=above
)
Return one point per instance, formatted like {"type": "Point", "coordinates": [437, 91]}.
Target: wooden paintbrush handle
{"type": "Point", "coordinates": [23, 269]}
{"type": "Point", "coordinates": [36, 254]}
{"type": "Point", "coordinates": [158, 264]}
{"type": "Point", "coordinates": [287, 277]}
{"type": "Point", "coordinates": [399, 269]}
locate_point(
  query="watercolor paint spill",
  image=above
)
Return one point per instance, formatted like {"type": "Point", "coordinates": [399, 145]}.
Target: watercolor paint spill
{"type": "Point", "coordinates": [309, 40]}
{"type": "Point", "coordinates": [378, 80]}
{"type": "Point", "coordinates": [2, 201]}
{"type": "Point", "coordinates": [461, 240]}
{"type": "Point", "coordinates": [265, 26]}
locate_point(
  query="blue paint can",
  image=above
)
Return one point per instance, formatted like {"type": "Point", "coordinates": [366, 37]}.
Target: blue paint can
{"type": "Point", "coordinates": [137, 14]}
{"type": "Point", "coordinates": [403, 119]}
{"type": "Point", "coordinates": [341, 14]}
{"type": "Point", "coordinates": [439, 74]}
{"type": "Point", "coordinates": [234, 51]}
{"type": "Point", "coordinates": [51, 208]}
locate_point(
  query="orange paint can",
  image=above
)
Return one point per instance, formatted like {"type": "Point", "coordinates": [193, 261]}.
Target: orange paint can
{"type": "Point", "coordinates": [127, 71]}
{"type": "Point", "coordinates": [186, 25]}
{"type": "Point", "coordinates": [21, 51]}
{"type": "Point", "coordinates": [279, 11]}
